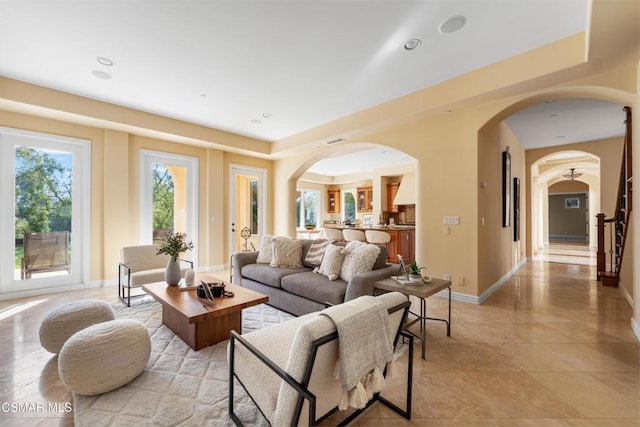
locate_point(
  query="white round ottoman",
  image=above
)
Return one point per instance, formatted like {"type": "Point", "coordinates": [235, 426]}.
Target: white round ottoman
{"type": "Point", "coordinates": [62, 322]}
{"type": "Point", "coordinates": [104, 356]}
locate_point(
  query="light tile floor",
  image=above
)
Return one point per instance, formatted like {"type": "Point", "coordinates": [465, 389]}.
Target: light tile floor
{"type": "Point", "coordinates": [551, 347]}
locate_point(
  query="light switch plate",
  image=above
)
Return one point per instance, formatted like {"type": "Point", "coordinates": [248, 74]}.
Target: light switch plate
{"type": "Point", "coordinates": [451, 220]}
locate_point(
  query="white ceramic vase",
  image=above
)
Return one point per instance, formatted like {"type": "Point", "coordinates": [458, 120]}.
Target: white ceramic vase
{"type": "Point", "coordinates": [172, 272]}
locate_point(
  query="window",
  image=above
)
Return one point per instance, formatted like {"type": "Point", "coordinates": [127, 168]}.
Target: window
{"type": "Point", "coordinates": [253, 206]}
{"type": "Point", "coordinates": [307, 208]}
{"type": "Point", "coordinates": [349, 204]}
{"type": "Point", "coordinates": [44, 186]}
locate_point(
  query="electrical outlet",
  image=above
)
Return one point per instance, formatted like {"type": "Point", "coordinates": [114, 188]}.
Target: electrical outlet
{"type": "Point", "coordinates": [447, 277]}
{"type": "Point", "coordinates": [460, 280]}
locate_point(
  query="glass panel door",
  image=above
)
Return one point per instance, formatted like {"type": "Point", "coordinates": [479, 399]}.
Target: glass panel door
{"type": "Point", "coordinates": [168, 197]}
{"type": "Point", "coordinates": [42, 192]}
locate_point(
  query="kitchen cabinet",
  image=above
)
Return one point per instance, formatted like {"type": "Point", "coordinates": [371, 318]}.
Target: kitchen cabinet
{"type": "Point", "coordinates": [365, 199]}
{"type": "Point", "coordinates": [392, 190]}
{"type": "Point", "coordinates": [403, 243]}
{"type": "Point", "coordinates": [333, 201]}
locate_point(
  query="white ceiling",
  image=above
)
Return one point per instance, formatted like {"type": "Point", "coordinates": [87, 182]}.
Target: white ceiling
{"type": "Point", "coordinates": [362, 161]}
{"type": "Point", "coordinates": [567, 121]}
{"type": "Point", "coordinates": [226, 63]}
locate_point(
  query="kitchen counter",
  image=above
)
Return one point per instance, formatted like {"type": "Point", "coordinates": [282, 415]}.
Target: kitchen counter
{"type": "Point", "coordinates": [371, 227]}
{"type": "Point", "coordinates": [402, 239]}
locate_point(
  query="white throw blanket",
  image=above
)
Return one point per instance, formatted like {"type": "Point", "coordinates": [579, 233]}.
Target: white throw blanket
{"type": "Point", "coordinates": [364, 348]}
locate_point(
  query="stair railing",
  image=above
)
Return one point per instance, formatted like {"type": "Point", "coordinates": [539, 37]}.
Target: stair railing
{"type": "Point", "coordinates": [617, 225]}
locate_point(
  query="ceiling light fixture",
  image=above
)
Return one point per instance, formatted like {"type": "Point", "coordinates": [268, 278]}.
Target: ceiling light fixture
{"type": "Point", "coordinates": [453, 24]}
{"type": "Point", "coordinates": [572, 174]}
{"type": "Point", "coordinates": [559, 137]}
{"type": "Point", "coordinates": [334, 141]}
{"type": "Point", "coordinates": [101, 75]}
{"type": "Point", "coordinates": [104, 61]}
{"type": "Point", "coordinates": [553, 116]}
{"type": "Point", "coordinates": [267, 115]}
{"type": "Point", "coordinates": [412, 44]}
{"type": "Point", "coordinates": [550, 101]}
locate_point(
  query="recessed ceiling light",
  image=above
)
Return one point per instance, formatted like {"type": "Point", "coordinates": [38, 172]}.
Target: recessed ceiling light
{"type": "Point", "coordinates": [104, 61]}
{"type": "Point", "coordinates": [553, 116]}
{"type": "Point", "coordinates": [550, 101]}
{"type": "Point", "coordinates": [267, 115]}
{"type": "Point", "coordinates": [203, 95]}
{"type": "Point", "coordinates": [453, 24]}
{"type": "Point", "coordinates": [255, 121]}
{"type": "Point", "coordinates": [412, 44]}
{"type": "Point", "coordinates": [448, 111]}
{"type": "Point", "coordinates": [559, 137]}
{"type": "Point", "coordinates": [101, 75]}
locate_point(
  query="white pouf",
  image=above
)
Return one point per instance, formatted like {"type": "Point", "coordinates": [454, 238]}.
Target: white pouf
{"type": "Point", "coordinates": [104, 356]}
{"type": "Point", "coordinates": [62, 322]}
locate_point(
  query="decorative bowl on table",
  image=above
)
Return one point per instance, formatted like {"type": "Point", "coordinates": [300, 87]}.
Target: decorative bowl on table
{"type": "Point", "coordinates": [217, 289]}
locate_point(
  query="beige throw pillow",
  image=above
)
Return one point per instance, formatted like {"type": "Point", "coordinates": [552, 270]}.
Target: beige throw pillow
{"type": "Point", "coordinates": [331, 262]}
{"type": "Point", "coordinates": [286, 252]}
{"type": "Point", "coordinates": [266, 250]}
{"type": "Point", "coordinates": [359, 258]}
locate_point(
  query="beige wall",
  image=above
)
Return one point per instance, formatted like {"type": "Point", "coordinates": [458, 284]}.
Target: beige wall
{"type": "Point", "coordinates": [497, 251]}
{"type": "Point", "coordinates": [115, 189]}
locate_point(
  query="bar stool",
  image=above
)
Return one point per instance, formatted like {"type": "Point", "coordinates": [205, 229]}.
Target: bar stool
{"type": "Point", "coordinates": [378, 238]}
{"type": "Point", "coordinates": [333, 234]}
{"type": "Point", "coordinates": [350, 235]}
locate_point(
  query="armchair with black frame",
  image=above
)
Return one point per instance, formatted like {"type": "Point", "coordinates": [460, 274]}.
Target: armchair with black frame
{"type": "Point", "coordinates": [288, 369]}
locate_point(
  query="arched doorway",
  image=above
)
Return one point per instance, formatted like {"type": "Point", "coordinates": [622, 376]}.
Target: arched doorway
{"type": "Point", "coordinates": [549, 172]}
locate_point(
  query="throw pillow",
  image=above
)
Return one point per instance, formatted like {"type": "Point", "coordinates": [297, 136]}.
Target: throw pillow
{"type": "Point", "coordinates": [331, 262]}
{"type": "Point", "coordinates": [266, 250]}
{"type": "Point", "coordinates": [359, 258]}
{"type": "Point", "coordinates": [286, 252]}
{"type": "Point", "coordinates": [316, 251]}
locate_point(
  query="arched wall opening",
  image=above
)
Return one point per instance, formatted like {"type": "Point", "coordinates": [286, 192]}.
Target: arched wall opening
{"type": "Point", "coordinates": [548, 171]}
{"type": "Point", "coordinates": [294, 172]}
{"type": "Point", "coordinates": [498, 255]}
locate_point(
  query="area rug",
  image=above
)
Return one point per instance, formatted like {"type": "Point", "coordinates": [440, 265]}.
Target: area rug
{"type": "Point", "coordinates": [179, 387]}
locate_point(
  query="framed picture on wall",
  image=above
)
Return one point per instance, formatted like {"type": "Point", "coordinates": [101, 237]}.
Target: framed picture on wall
{"type": "Point", "coordinates": [516, 209]}
{"type": "Point", "coordinates": [506, 189]}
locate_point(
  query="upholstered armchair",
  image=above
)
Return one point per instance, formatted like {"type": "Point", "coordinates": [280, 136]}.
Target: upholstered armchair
{"type": "Point", "coordinates": [289, 369]}
{"type": "Point", "coordinates": [140, 265]}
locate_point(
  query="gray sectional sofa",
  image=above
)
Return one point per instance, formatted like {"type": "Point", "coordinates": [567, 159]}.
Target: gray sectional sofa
{"type": "Point", "coordinates": [299, 290]}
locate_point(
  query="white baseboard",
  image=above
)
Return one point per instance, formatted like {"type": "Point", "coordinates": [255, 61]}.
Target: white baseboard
{"type": "Point", "coordinates": [636, 328]}
{"type": "Point", "coordinates": [42, 291]}
{"type": "Point", "coordinates": [472, 299]}
{"type": "Point", "coordinates": [486, 294]}
{"type": "Point", "coordinates": [626, 295]}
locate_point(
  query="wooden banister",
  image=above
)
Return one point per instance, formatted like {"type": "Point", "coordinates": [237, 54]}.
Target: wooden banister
{"type": "Point", "coordinates": [609, 273]}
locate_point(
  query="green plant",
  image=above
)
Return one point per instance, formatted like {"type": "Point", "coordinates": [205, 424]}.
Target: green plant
{"type": "Point", "coordinates": [173, 244]}
{"type": "Point", "coordinates": [414, 268]}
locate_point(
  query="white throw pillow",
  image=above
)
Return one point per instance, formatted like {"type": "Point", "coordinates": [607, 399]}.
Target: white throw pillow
{"type": "Point", "coordinates": [266, 250]}
{"type": "Point", "coordinates": [331, 262]}
{"type": "Point", "coordinates": [286, 252]}
{"type": "Point", "coordinates": [359, 257]}
{"type": "Point", "coordinates": [316, 251]}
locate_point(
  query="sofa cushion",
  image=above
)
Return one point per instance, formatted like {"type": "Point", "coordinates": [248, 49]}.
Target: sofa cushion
{"type": "Point", "coordinates": [313, 257]}
{"type": "Point", "coordinates": [331, 262]}
{"type": "Point", "coordinates": [286, 252]}
{"type": "Point", "coordinates": [266, 250]}
{"type": "Point", "coordinates": [315, 287]}
{"type": "Point", "coordinates": [381, 261]}
{"type": "Point", "coordinates": [268, 275]}
{"type": "Point", "coordinates": [359, 258]}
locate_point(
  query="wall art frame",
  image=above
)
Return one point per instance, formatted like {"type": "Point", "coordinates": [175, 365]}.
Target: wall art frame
{"type": "Point", "coordinates": [506, 189]}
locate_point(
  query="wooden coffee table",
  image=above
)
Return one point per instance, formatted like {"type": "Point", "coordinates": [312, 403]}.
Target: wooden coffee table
{"type": "Point", "coordinates": [197, 324]}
